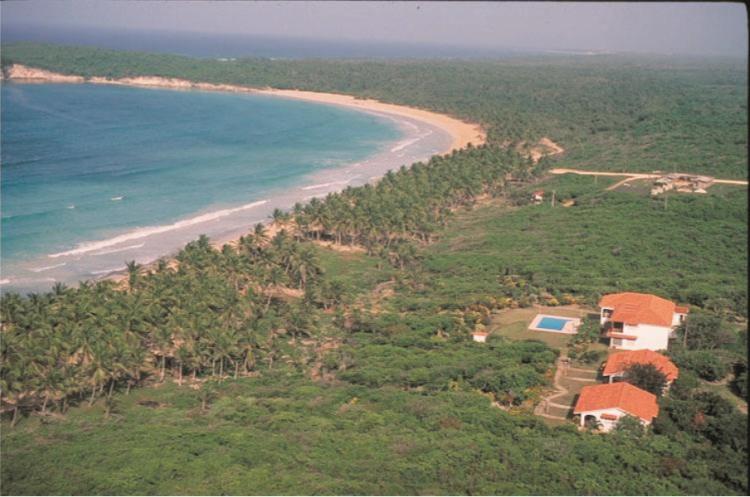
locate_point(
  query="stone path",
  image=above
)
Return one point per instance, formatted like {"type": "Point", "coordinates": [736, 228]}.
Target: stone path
{"type": "Point", "coordinates": [553, 401]}
{"type": "Point", "coordinates": [542, 408]}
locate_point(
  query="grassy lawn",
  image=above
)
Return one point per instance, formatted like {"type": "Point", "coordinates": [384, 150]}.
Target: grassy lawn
{"type": "Point", "coordinates": [514, 324]}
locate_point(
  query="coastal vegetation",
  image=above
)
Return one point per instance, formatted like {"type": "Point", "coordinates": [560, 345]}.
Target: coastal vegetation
{"type": "Point", "coordinates": [275, 365]}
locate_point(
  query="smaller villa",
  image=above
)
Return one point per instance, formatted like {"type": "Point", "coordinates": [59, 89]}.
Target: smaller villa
{"type": "Point", "coordinates": [480, 336]}
{"type": "Point", "coordinates": [606, 404]}
{"type": "Point", "coordinates": [619, 362]}
{"type": "Point", "coordinates": [537, 197]}
{"type": "Point", "coordinates": [639, 320]}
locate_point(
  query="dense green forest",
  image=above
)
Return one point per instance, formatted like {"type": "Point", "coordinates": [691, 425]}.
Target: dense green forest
{"type": "Point", "coordinates": [277, 366]}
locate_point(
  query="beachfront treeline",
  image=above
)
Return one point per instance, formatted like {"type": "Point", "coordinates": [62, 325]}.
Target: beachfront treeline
{"type": "Point", "coordinates": [229, 312]}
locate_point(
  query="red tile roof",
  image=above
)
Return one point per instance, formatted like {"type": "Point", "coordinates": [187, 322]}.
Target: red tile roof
{"type": "Point", "coordinates": [624, 396]}
{"type": "Point", "coordinates": [681, 309]}
{"type": "Point", "coordinates": [619, 362]}
{"type": "Point", "coordinates": [639, 308]}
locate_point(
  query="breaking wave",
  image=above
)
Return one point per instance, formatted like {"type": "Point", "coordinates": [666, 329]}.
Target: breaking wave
{"type": "Point", "coordinates": [87, 247]}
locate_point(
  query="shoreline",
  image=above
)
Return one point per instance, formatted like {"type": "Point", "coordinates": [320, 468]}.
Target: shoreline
{"type": "Point", "coordinates": [462, 132]}
{"type": "Point", "coordinates": [458, 133]}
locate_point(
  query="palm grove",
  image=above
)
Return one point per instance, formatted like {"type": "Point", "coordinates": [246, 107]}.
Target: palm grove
{"type": "Point", "coordinates": [218, 311]}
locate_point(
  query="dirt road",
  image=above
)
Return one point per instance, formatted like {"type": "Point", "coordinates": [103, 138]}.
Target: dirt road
{"type": "Point", "coordinates": [632, 176]}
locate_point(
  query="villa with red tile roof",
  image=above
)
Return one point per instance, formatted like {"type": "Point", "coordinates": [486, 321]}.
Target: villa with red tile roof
{"type": "Point", "coordinates": [610, 402]}
{"type": "Point", "coordinates": [640, 320]}
{"type": "Point", "coordinates": [619, 362]}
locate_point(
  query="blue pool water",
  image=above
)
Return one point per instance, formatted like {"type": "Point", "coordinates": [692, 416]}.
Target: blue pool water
{"type": "Point", "coordinates": [548, 323]}
{"type": "Point", "coordinates": [89, 170]}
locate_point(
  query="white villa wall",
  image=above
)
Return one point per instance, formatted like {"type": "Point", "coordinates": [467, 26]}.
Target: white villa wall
{"type": "Point", "coordinates": [650, 337]}
{"type": "Point", "coordinates": [605, 424]}
{"type": "Point", "coordinates": [480, 338]}
{"type": "Point", "coordinates": [677, 318]}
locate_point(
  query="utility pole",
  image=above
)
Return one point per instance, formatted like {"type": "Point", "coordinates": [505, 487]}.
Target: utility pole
{"type": "Point", "coordinates": [553, 199]}
{"type": "Point", "coordinates": [666, 198]}
{"type": "Point", "coordinates": [684, 335]}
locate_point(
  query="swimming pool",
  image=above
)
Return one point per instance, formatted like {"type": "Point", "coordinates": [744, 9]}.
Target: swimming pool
{"type": "Point", "coordinates": [549, 323]}
{"type": "Point", "coordinates": [555, 324]}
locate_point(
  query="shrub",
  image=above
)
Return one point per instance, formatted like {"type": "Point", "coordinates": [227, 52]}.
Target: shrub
{"type": "Point", "coordinates": [683, 386]}
{"type": "Point", "coordinates": [705, 331]}
{"type": "Point", "coordinates": [630, 427]}
{"type": "Point", "coordinates": [739, 385]}
{"type": "Point", "coordinates": [704, 363]}
{"type": "Point", "coordinates": [592, 356]}
{"type": "Point", "coordinates": [647, 377]}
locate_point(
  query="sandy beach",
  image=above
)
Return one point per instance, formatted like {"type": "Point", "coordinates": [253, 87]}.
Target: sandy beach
{"type": "Point", "coordinates": [425, 134]}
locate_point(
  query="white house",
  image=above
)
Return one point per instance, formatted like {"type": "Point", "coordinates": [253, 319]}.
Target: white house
{"type": "Point", "coordinates": [608, 403]}
{"type": "Point", "coordinates": [480, 336]}
{"type": "Point", "coordinates": [640, 320]}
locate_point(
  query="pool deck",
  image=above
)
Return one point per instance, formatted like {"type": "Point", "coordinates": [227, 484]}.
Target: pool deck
{"type": "Point", "coordinates": [570, 328]}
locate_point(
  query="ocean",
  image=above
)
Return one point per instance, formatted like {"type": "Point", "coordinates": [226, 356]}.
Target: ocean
{"type": "Point", "coordinates": [96, 175]}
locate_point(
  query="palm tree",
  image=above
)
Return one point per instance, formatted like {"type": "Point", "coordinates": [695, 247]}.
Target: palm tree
{"type": "Point", "coordinates": [260, 233]}
{"type": "Point", "coordinates": [134, 270]}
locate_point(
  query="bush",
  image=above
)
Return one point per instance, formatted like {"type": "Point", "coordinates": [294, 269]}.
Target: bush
{"type": "Point", "coordinates": [705, 364]}
{"type": "Point", "coordinates": [647, 377]}
{"type": "Point", "coordinates": [739, 385]}
{"type": "Point", "coordinates": [592, 356]}
{"type": "Point", "coordinates": [683, 386]}
{"type": "Point", "coordinates": [705, 331]}
{"type": "Point", "coordinates": [630, 427]}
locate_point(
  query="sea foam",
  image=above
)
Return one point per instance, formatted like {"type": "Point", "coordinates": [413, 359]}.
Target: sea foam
{"type": "Point", "coordinates": [46, 268]}
{"type": "Point", "coordinates": [324, 185]}
{"type": "Point", "coordinates": [120, 249]}
{"type": "Point", "coordinates": [87, 247]}
{"type": "Point", "coordinates": [405, 143]}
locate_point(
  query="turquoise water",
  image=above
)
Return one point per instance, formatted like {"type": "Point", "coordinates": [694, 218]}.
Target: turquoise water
{"type": "Point", "coordinates": [548, 323]}
{"type": "Point", "coordinates": [81, 163]}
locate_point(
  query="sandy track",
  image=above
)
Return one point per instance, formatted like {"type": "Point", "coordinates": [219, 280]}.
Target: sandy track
{"type": "Point", "coordinates": [632, 176]}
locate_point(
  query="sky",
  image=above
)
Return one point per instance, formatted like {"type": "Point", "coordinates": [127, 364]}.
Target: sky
{"type": "Point", "coordinates": [673, 27]}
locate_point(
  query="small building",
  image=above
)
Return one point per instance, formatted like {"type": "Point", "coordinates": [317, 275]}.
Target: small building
{"type": "Point", "coordinates": [479, 336]}
{"type": "Point", "coordinates": [606, 404]}
{"type": "Point", "coordinates": [537, 197]}
{"type": "Point", "coordinates": [635, 321]}
{"type": "Point", "coordinates": [689, 183]}
{"type": "Point", "coordinates": [619, 362]}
